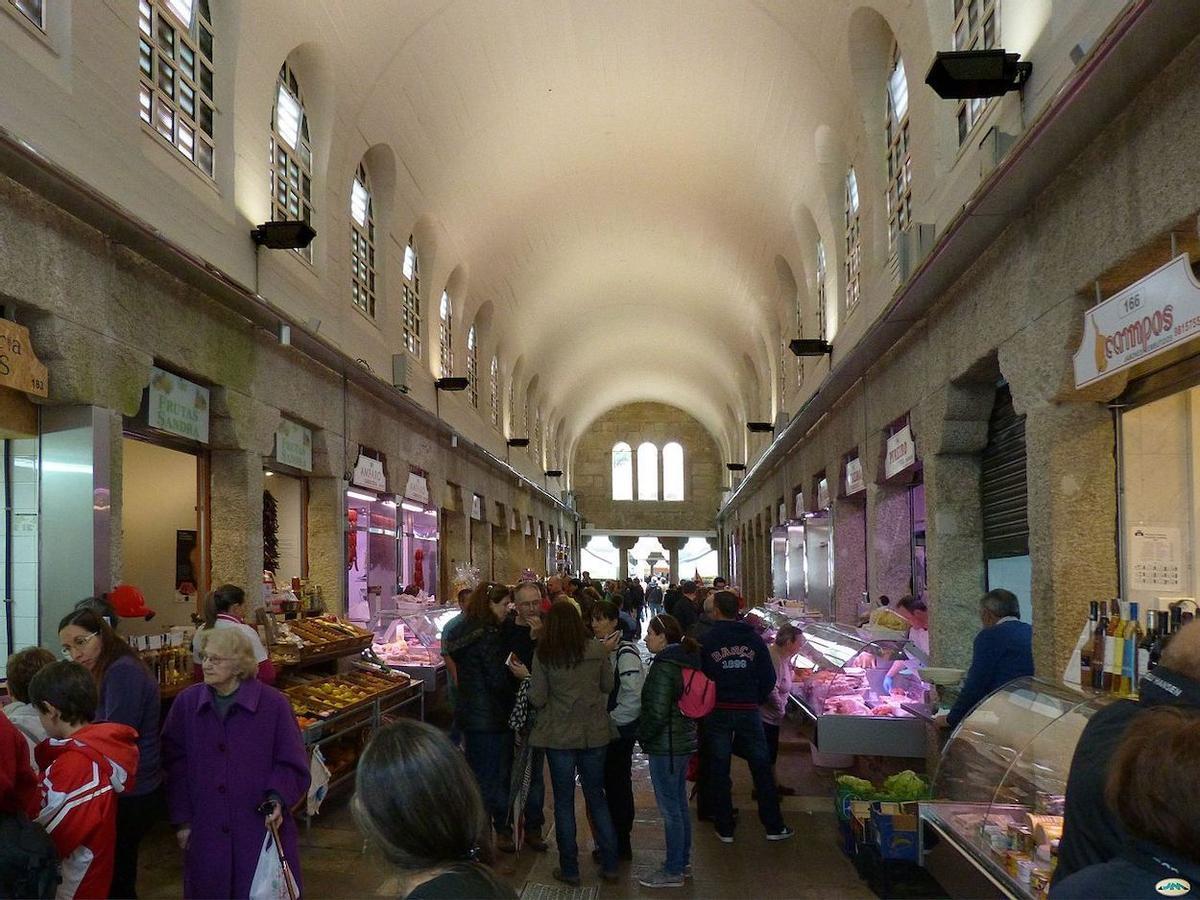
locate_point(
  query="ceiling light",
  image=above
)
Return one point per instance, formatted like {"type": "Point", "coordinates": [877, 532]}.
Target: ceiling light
{"type": "Point", "coordinates": [283, 235]}
{"type": "Point", "coordinates": [736, 467]}
{"type": "Point", "coordinates": [412, 507]}
{"type": "Point", "coordinates": [760, 427]}
{"type": "Point", "coordinates": [810, 347]}
{"type": "Point", "coordinates": [518, 442]}
{"type": "Point", "coordinates": [359, 495]}
{"type": "Point", "coordinates": [452, 383]}
{"type": "Point", "coordinates": [974, 74]}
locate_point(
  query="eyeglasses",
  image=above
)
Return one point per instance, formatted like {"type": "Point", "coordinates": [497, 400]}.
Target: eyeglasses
{"type": "Point", "coordinates": [77, 644]}
{"type": "Point", "coordinates": [206, 658]}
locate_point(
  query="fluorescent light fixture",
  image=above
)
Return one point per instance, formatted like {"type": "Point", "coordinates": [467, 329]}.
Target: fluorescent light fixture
{"type": "Point", "coordinates": [359, 495]}
{"type": "Point", "coordinates": [411, 507]}
{"type": "Point", "coordinates": [287, 116]}
{"type": "Point", "coordinates": [49, 465]}
{"type": "Point", "coordinates": [360, 203]}
{"type": "Point", "coordinates": [389, 503]}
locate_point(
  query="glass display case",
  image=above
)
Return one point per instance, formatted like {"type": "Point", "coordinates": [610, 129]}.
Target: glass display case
{"type": "Point", "coordinates": [993, 824]}
{"type": "Point", "coordinates": [862, 694]}
{"type": "Point", "coordinates": [412, 641]}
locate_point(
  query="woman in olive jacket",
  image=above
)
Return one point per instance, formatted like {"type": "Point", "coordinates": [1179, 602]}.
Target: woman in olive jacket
{"type": "Point", "coordinates": [571, 680]}
{"type": "Point", "coordinates": [668, 737]}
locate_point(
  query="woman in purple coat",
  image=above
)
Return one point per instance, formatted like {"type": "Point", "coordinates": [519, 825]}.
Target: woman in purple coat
{"type": "Point", "coordinates": [230, 745]}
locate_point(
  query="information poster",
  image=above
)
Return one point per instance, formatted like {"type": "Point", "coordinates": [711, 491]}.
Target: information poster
{"type": "Point", "coordinates": [1155, 558]}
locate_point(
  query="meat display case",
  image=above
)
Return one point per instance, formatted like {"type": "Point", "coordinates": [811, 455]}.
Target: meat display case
{"type": "Point", "coordinates": [840, 684]}
{"type": "Point", "coordinates": [991, 829]}
{"type": "Point", "coordinates": [412, 642]}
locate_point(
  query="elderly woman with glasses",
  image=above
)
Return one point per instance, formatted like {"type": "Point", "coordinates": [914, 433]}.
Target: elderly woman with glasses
{"type": "Point", "coordinates": [235, 764]}
{"type": "Point", "coordinates": [487, 691]}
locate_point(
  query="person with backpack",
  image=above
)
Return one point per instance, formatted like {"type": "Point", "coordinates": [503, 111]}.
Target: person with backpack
{"type": "Point", "coordinates": [624, 707]}
{"type": "Point", "coordinates": [85, 767]}
{"type": "Point", "coordinates": [739, 664]}
{"type": "Point", "coordinates": [668, 738]}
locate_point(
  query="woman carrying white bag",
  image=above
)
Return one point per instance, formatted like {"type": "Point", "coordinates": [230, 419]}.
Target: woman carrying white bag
{"type": "Point", "coordinates": [236, 766]}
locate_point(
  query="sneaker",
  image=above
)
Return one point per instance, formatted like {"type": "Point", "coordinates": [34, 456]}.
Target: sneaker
{"type": "Point", "coordinates": [781, 835]}
{"type": "Point", "coordinates": [725, 837]}
{"type": "Point", "coordinates": [661, 879]}
{"type": "Point", "coordinates": [569, 881]}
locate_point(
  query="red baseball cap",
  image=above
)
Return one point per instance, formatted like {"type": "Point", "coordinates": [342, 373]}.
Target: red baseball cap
{"type": "Point", "coordinates": [129, 603]}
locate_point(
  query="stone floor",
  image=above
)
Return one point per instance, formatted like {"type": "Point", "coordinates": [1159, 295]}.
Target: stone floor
{"type": "Point", "coordinates": [335, 862]}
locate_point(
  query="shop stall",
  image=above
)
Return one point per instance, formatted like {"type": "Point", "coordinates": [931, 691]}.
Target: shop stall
{"type": "Point", "coordinates": [372, 539]}
{"type": "Point", "coordinates": [992, 827]}
{"type": "Point", "coordinates": [285, 508]}
{"type": "Point", "coordinates": [817, 540]}
{"type": "Point", "coordinates": [863, 696]}
{"type": "Point", "coordinates": [409, 639]}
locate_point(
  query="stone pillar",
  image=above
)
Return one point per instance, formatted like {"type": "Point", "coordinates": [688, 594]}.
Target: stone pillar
{"type": "Point", "coordinates": [889, 526]}
{"type": "Point", "coordinates": [849, 557]}
{"type": "Point", "coordinates": [673, 545]}
{"type": "Point", "coordinates": [327, 540]}
{"type": "Point", "coordinates": [481, 547]}
{"type": "Point", "coordinates": [623, 545]}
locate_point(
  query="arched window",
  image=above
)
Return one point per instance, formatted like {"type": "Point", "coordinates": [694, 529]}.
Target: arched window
{"type": "Point", "coordinates": [495, 386]}
{"type": "Point", "coordinates": [175, 57]}
{"type": "Point", "coordinates": [362, 243]}
{"type": "Point", "coordinates": [411, 292]}
{"type": "Point", "coordinates": [622, 471]}
{"type": "Point", "coordinates": [291, 155]}
{"type": "Point", "coordinates": [446, 336]}
{"type": "Point", "coordinates": [472, 368]}
{"type": "Point", "coordinates": [32, 10]}
{"type": "Point", "coordinates": [537, 443]}
{"type": "Point", "coordinates": [512, 408]}
{"type": "Point", "coordinates": [976, 27]}
{"type": "Point", "coordinates": [853, 243]}
{"type": "Point", "coordinates": [672, 456]}
{"type": "Point", "coordinates": [647, 471]}
{"type": "Point", "coordinates": [899, 192]}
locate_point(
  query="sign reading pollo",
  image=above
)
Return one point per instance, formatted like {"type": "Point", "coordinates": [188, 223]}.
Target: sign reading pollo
{"type": "Point", "coordinates": [1147, 318]}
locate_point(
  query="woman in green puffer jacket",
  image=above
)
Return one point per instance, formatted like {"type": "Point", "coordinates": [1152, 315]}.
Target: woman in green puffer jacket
{"type": "Point", "coordinates": [668, 738]}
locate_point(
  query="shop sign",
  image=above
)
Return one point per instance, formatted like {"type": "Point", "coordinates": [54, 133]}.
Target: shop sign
{"type": "Point", "coordinates": [177, 406]}
{"type": "Point", "coordinates": [417, 487]}
{"type": "Point", "coordinates": [854, 476]}
{"type": "Point", "coordinates": [368, 473]}
{"type": "Point", "coordinates": [1147, 318]}
{"type": "Point", "coordinates": [293, 445]}
{"type": "Point", "coordinates": [823, 493]}
{"type": "Point", "coordinates": [476, 507]}
{"type": "Point", "coordinates": [19, 367]}
{"type": "Point", "coordinates": [901, 452]}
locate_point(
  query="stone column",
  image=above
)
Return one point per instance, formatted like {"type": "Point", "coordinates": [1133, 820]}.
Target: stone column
{"type": "Point", "coordinates": [673, 545]}
{"type": "Point", "coordinates": [849, 557]}
{"type": "Point", "coordinates": [326, 538]}
{"type": "Point", "coordinates": [623, 545]}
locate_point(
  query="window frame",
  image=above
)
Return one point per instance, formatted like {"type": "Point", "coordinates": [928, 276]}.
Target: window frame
{"type": "Point", "coordinates": [410, 292]}
{"type": "Point", "coordinates": [822, 281]}
{"type": "Point", "coordinates": [495, 386]}
{"type": "Point", "coordinates": [621, 447]}
{"type": "Point", "coordinates": [968, 35]}
{"type": "Point", "coordinates": [297, 176]}
{"type": "Point", "coordinates": [161, 104]}
{"type": "Point", "coordinates": [446, 335]}
{"type": "Point", "coordinates": [671, 447]}
{"type": "Point", "coordinates": [19, 6]}
{"type": "Point", "coordinates": [853, 264]}
{"type": "Point", "coordinates": [642, 472]}
{"type": "Point", "coordinates": [899, 154]}
{"type": "Point", "coordinates": [362, 242]}
{"type": "Point", "coordinates": [473, 366]}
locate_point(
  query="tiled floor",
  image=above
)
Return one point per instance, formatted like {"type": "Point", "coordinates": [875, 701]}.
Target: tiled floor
{"type": "Point", "coordinates": [335, 862]}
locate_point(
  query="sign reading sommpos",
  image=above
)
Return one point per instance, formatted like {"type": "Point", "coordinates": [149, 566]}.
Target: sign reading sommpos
{"type": "Point", "coordinates": [1147, 318]}
{"type": "Point", "coordinates": [19, 367]}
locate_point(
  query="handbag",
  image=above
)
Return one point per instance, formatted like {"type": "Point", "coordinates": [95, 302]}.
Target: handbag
{"type": "Point", "coordinates": [272, 876]}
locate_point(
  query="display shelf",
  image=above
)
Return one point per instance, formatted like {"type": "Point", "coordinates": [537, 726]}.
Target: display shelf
{"type": "Point", "coordinates": [411, 642]}
{"type": "Point", "coordinates": [997, 807]}
{"type": "Point", "coordinates": [321, 639]}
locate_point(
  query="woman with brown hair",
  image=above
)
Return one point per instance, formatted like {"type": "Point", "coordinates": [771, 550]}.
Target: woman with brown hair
{"type": "Point", "coordinates": [128, 696]}
{"type": "Point", "coordinates": [479, 648]}
{"type": "Point", "coordinates": [418, 803]}
{"type": "Point", "coordinates": [571, 681]}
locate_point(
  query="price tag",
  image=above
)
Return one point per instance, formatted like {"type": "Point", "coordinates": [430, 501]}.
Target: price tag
{"type": "Point", "coordinates": [155, 642]}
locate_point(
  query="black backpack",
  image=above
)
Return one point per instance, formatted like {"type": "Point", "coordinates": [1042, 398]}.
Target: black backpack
{"type": "Point", "coordinates": [28, 861]}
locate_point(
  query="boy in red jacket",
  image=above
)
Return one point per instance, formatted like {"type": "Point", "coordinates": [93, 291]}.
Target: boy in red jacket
{"type": "Point", "coordinates": [84, 766]}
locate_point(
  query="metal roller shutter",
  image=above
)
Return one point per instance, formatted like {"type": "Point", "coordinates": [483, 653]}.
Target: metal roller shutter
{"type": "Point", "coordinates": [1003, 484]}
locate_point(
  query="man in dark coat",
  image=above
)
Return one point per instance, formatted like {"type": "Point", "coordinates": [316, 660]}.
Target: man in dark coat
{"type": "Point", "coordinates": [1093, 833]}
{"type": "Point", "coordinates": [686, 612]}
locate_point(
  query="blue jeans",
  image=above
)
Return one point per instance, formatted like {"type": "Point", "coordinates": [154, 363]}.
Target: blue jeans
{"type": "Point", "coordinates": [535, 801]}
{"type": "Point", "coordinates": [590, 765]}
{"type": "Point", "coordinates": [740, 731]}
{"type": "Point", "coordinates": [668, 774]}
{"type": "Point", "coordinates": [490, 754]}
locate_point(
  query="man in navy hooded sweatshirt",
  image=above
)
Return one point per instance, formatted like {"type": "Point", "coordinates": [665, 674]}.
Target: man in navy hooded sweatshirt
{"type": "Point", "coordinates": [739, 664]}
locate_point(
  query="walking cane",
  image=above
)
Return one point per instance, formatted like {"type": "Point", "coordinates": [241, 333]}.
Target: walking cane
{"type": "Point", "coordinates": [287, 871]}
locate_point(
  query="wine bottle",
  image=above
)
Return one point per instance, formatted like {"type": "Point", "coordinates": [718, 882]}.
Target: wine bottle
{"type": "Point", "coordinates": [1113, 649]}
{"type": "Point", "coordinates": [1099, 645]}
{"type": "Point", "coordinates": [1085, 652]}
{"type": "Point", "coordinates": [1145, 646]}
{"type": "Point", "coordinates": [1132, 637]}
{"type": "Point", "coordinates": [1161, 624]}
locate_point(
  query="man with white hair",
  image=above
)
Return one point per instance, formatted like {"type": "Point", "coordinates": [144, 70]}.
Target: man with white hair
{"type": "Point", "coordinates": [1003, 651]}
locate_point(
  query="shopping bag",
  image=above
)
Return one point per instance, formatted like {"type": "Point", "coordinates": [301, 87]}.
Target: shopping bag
{"type": "Point", "coordinates": [318, 785]}
{"type": "Point", "coordinates": [272, 879]}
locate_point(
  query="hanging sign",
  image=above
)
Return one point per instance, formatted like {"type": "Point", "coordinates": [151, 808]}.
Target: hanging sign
{"type": "Point", "coordinates": [901, 452]}
{"type": "Point", "coordinates": [823, 494]}
{"type": "Point", "coordinates": [369, 473]}
{"type": "Point", "coordinates": [177, 406]}
{"type": "Point", "coordinates": [293, 445]}
{"type": "Point", "coordinates": [19, 367]}
{"type": "Point", "coordinates": [1147, 318]}
{"type": "Point", "coordinates": [854, 476]}
{"type": "Point", "coordinates": [417, 487]}
{"type": "Point", "coordinates": [476, 507]}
